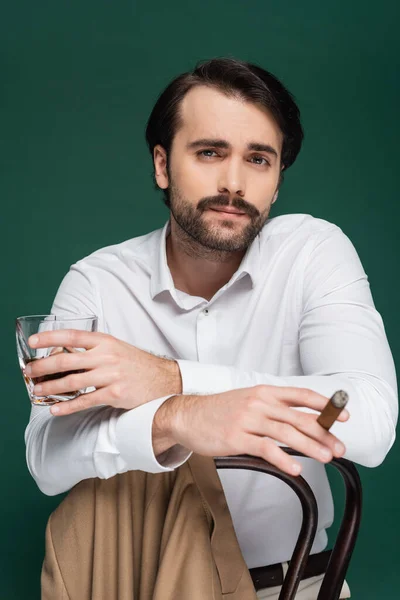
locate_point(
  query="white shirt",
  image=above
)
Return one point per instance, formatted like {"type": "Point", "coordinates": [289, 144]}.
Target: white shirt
{"type": "Point", "coordinates": [298, 312]}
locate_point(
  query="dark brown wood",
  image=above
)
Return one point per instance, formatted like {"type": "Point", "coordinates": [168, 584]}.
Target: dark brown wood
{"type": "Point", "coordinates": [346, 538]}
{"type": "Point", "coordinates": [310, 515]}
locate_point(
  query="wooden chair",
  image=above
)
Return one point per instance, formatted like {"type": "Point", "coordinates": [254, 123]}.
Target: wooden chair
{"type": "Point", "coordinates": [346, 538]}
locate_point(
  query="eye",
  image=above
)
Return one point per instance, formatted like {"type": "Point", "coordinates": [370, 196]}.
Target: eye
{"type": "Point", "coordinates": [206, 153]}
{"type": "Point", "coordinates": [260, 158]}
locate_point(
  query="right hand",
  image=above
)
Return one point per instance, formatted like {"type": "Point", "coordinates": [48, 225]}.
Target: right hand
{"type": "Point", "coordinates": [250, 421]}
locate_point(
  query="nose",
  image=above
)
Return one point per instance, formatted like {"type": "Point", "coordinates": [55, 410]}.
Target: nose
{"type": "Point", "coordinates": [231, 179]}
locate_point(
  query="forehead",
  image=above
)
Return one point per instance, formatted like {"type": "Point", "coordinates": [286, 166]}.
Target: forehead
{"type": "Point", "coordinates": [208, 113]}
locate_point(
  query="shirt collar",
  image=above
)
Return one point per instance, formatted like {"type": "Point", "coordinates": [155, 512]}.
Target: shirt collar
{"type": "Point", "coordinates": [161, 278]}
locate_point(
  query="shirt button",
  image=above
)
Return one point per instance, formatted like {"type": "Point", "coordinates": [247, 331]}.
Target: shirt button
{"type": "Point", "coordinates": [205, 311]}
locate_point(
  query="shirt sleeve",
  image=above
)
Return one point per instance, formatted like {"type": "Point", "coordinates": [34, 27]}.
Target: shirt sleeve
{"type": "Point", "coordinates": [342, 345]}
{"type": "Point", "coordinates": [98, 442]}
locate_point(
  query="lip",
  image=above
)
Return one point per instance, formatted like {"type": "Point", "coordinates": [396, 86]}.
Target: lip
{"type": "Point", "coordinates": [228, 210]}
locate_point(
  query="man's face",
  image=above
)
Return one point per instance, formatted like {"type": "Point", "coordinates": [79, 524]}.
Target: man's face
{"type": "Point", "coordinates": [224, 168]}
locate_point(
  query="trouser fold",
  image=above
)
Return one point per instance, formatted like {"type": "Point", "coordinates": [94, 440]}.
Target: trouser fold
{"type": "Point", "coordinates": [146, 536]}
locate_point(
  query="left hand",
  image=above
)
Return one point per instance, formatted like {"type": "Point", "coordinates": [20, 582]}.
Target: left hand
{"type": "Point", "coordinates": [124, 376]}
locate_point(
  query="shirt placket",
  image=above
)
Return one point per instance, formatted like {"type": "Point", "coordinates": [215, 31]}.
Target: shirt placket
{"type": "Point", "coordinates": [206, 333]}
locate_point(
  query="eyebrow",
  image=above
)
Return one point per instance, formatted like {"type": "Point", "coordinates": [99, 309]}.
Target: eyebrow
{"type": "Point", "coordinates": [256, 146]}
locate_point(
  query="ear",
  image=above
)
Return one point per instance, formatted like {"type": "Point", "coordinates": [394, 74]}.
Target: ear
{"type": "Point", "coordinates": [160, 167]}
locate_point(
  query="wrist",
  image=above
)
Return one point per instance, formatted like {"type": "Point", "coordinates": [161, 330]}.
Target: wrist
{"type": "Point", "coordinates": [162, 428]}
{"type": "Point", "coordinates": [175, 377]}
{"type": "Point", "coordinates": [171, 382]}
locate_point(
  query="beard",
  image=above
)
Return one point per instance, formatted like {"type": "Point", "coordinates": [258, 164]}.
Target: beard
{"type": "Point", "coordinates": [223, 236]}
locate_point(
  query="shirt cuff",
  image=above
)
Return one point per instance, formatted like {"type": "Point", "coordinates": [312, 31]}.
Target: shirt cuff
{"type": "Point", "coordinates": [135, 445]}
{"type": "Point", "coordinates": [200, 378]}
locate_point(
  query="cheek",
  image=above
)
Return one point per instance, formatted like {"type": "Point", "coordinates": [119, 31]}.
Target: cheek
{"type": "Point", "coordinates": [194, 180]}
{"type": "Point", "coordinates": [260, 190]}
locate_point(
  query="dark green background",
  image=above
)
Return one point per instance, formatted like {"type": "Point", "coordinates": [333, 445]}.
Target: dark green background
{"type": "Point", "coordinates": [78, 80]}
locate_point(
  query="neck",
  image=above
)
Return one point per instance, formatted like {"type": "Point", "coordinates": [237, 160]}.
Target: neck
{"type": "Point", "coordinates": [197, 270]}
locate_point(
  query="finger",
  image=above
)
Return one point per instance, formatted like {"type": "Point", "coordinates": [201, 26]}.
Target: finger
{"type": "Point", "coordinates": [64, 385]}
{"type": "Point", "coordinates": [102, 396]}
{"type": "Point", "coordinates": [66, 337]}
{"type": "Point", "coordinates": [343, 416]}
{"type": "Point", "coordinates": [303, 422]}
{"type": "Point", "coordinates": [300, 397]}
{"type": "Point", "coordinates": [61, 362]}
{"type": "Point", "coordinates": [97, 378]}
{"type": "Point", "coordinates": [311, 428]}
{"type": "Point", "coordinates": [82, 402]}
{"type": "Point", "coordinates": [292, 437]}
{"type": "Point", "coordinates": [269, 451]}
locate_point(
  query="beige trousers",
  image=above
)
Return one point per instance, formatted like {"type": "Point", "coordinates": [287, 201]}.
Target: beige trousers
{"type": "Point", "coordinates": [147, 536]}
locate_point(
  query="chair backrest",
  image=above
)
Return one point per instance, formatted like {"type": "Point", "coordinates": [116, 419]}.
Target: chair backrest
{"type": "Point", "coordinates": [346, 538]}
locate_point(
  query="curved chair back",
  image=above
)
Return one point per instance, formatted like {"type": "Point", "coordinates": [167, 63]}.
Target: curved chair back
{"type": "Point", "coordinates": [346, 538]}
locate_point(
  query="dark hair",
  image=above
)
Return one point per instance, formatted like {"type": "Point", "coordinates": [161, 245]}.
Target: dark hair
{"type": "Point", "coordinates": [233, 77]}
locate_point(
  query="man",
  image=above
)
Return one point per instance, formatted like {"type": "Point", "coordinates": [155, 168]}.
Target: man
{"type": "Point", "coordinates": [262, 320]}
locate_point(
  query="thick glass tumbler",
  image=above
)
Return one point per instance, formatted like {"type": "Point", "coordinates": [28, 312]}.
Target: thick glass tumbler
{"type": "Point", "coordinates": [29, 325]}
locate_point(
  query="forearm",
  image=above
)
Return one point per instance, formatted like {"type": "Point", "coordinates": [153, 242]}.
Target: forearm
{"type": "Point", "coordinates": [369, 433]}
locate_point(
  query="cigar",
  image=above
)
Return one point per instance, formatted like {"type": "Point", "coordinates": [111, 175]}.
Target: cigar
{"type": "Point", "coordinates": [333, 409]}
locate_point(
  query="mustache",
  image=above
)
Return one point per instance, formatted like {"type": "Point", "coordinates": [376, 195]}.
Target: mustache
{"type": "Point", "coordinates": [221, 200]}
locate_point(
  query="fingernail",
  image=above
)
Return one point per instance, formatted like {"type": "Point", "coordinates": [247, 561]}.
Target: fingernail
{"type": "Point", "coordinates": [325, 453]}
{"type": "Point", "coordinates": [37, 389]}
{"type": "Point", "coordinates": [54, 410]}
{"type": "Point", "coordinates": [33, 340]}
{"type": "Point", "coordinates": [28, 369]}
{"type": "Point", "coordinates": [296, 468]}
{"type": "Point", "coordinates": [339, 448]}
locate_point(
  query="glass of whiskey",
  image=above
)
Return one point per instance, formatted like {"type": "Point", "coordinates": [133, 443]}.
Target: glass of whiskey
{"type": "Point", "coordinates": [31, 324]}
